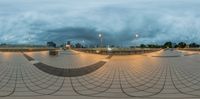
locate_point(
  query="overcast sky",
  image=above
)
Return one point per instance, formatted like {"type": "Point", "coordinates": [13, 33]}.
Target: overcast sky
{"type": "Point", "coordinates": [156, 21]}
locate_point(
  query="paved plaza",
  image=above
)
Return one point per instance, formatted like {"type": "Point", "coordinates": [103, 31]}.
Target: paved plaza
{"type": "Point", "coordinates": [168, 74]}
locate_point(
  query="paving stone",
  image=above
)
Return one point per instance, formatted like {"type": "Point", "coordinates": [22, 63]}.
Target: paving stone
{"type": "Point", "coordinates": [153, 75]}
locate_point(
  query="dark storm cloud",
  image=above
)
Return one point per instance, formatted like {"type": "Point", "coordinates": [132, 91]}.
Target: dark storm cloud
{"type": "Point", "coordinates": [79, 34]}
{"type": "Point", "coordinates": [74, 33]}
{"type": "Point", "coordinates": [155, 21]}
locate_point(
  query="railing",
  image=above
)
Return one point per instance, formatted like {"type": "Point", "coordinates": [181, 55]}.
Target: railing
{"type": "Point", "coordinates": [117, 51]}
{"type": "Point", "coordinates": [190, 49]}
{"type": "Point", "coordinates": [24, 49]}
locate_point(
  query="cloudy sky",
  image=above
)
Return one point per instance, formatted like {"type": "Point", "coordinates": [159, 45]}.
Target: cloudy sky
{"type": "Point", "coordinates": [155, 21]}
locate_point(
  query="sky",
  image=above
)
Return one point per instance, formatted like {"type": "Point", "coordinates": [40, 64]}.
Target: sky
{"type": "Point", "coordinates": [155, 21]}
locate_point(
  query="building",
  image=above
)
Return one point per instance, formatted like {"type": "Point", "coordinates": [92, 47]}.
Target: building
{"type": "Point", "coordinates": [51, 44]}
{"type": "Point", "coordinates": [68, 42]}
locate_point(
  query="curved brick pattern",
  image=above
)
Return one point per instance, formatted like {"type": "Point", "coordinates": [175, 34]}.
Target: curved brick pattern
{"type": "Point", "coordinates": [67, 72]}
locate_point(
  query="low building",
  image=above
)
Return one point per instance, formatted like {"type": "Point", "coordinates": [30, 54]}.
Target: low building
{"type": "Point", "coordinates": [51, 44]}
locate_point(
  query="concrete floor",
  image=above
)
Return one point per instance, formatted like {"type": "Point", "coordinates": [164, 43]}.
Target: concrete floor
{"type": "Point", "coordinates": [162, 74]}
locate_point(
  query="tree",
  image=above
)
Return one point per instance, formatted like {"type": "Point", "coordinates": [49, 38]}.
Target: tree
{"type": "Point", "coordinates": [112, 46]}
{"type": "Point", "coordinates": [182, 45]}
{"type": "Point", "coordinates": [154, 46]}
{"type": "Point", "coordinates": [168, 45]}
{"type": "Point", "coordinates": [176, 46]}
{"type": "Point", "coordinates": [78, 45]}
{"type": "Point", "coordinates": [194, 45]}
{"type": "Point", "coordinates": [142, 46]}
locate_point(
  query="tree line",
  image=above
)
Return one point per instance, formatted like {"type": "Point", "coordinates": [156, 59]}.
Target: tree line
{"type": "Point", "coordinates": [171, 45]}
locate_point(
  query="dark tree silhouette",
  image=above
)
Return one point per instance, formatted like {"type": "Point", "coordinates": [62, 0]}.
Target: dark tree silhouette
{"type": "Point", "coordinates": [168, 45]}
{"type": "Point", "coordinates": [182, 45]}
{"type": "Point", "coordinates": [194, 45]}
{"type": "Point", "coordinates": [143, 46]}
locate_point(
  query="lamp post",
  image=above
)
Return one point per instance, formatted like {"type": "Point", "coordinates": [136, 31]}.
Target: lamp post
{"type": "Point", "coordinates": [6, 39]}
{"type": "Point", "coordinates": [83, 41]}
{"type": "Point", "coordinates": [136, 36]}
{"type": "Point", "coordinates": [101, 39]}
{"type": "Point", "coordinates": [28, 38]}
{"type": "Point", "coordinates": [46, 40]}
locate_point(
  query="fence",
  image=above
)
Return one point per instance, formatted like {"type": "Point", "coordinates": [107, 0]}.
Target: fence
{"type": "Point", "coordinates": [117, 51]}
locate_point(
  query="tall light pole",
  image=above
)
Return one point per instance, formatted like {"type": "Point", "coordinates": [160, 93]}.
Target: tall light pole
{"type": "Point", "coordinates": [136, 36]}
{"type": "Point", "coordinates": [46, 40]}
{"type": "Point", "coordinates": [101, 39]}
{"type": "Point", "coordinates": [6, 39]}
{"type": "Point", "coordinates": [29, 38]}
{"type": "Point", "coordinates": [83, 41]}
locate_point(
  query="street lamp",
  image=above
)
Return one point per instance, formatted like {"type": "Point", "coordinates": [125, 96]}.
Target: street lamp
{"type": "Point", "coordinates": [46, 39]}
{"type": "Point", "coordinates": [83, 41]}
{"type": "Point", "coordinates": [28, 37]}
{"type": "Point", "coordinates": [136, 36]}
{"type": "Point", "coordinates": [101, 39]}
{"type": "Point", "coordinates": [100, 35]}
